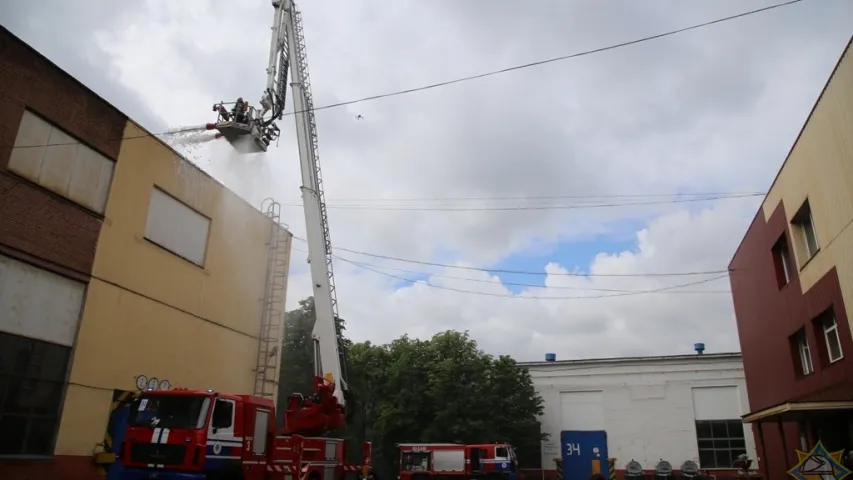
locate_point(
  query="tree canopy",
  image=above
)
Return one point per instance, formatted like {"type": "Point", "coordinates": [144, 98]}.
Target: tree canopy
{"type": "Point", "coordinates": [444, 389]}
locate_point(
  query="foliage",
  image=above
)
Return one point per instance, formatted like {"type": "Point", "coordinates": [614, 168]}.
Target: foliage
{"type": "Point", "coordinates": [444, 389]}
{"type": "Point", "coordinates": [296, 368]}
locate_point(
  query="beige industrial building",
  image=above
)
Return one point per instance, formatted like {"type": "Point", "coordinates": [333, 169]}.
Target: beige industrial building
{"type": "Point", "coordinates": [123, 266]}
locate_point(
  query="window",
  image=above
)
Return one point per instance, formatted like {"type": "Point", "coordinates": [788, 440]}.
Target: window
{"type": "Point", "coordinates": [177, 227]}
{"type": "Point", "coordinates": [720, 442]}
{"type": "Point", "coordinates": [223, 415]}
{"type": "Point", "coordinates": [782, 261]}
{"type": "Point", "coordinates": [261, 425]}
{"type": "Point", "coordinates": [804, 224]}
{"type": "Point", "coordinates": [32, 380]}
{"type": "Point", "coordinates": [59, 162]}
{"type": "Point", "coordinates": [804, 353]}
{"type": "Point", "coordinates": [829, 328]}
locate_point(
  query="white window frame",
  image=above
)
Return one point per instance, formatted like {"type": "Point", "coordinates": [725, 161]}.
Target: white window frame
{"type": "Point", "coordinates": [783, 251]}
{"type": "Point", "coordinates": [831, 328]}
{"type": "Point", "coordinates": [808, 230]}
{"type": "Point", "coordinates": [805, 355]}
{"type": "Point", "coordinates": [785, 265]}
{"type": "Point", "coordinates": [804, 221]}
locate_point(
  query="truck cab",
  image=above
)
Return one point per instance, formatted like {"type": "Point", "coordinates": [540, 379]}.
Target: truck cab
{"type": "Point", "coordinates": [492, 460]}
{"type": "Point", "coordinates": [441, 461]}
{"type": "Point", "coordinates": [195, 435]}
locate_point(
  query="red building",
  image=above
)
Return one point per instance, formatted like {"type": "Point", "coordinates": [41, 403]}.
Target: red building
{"type": "Point", "coordinates": [792, 285]}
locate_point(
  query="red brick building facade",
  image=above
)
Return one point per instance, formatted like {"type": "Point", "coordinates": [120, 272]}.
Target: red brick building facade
{"type": "Point", "coordinates": [44, 229]}
{"type": "Point", "coordinates": [792, 285]}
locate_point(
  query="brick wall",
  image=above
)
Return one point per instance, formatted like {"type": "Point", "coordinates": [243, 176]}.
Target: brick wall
{"type": "Point", "coordinates": [38, 226]}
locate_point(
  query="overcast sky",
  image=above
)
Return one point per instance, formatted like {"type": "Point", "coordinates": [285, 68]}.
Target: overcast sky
{"type": "Point", "coordinates": [710, 110]}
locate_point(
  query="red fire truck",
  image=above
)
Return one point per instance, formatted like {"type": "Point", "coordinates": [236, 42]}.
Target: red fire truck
{"type": "Point", "coordinates": [202, 435]}
{"type": "Point", "coordinates": [424, 461]}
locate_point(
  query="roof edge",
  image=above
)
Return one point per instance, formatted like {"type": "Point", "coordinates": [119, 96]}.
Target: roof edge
{"type": "Point", "coordinates": [628, 360]}
{"type": "Point", "coordinates": [800, 134]}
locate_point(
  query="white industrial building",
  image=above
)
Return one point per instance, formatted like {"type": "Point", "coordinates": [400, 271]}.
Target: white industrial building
{"type": "Point", "coordinates": [675, 408]}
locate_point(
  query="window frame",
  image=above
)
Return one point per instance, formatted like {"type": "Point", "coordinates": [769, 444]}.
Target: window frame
{"type": "Point", "coordinates": [99, 206]}
{"type": "Point", "coordinates": [781, 252]}
{"type": "Point", "coordinates": [805, 354]}
{"type": "Point", "coordinates": [832, 328]}
{"type": "Point", "coordinates": [203, 262]}
{"type": "Point", "coordinates": [803, 220]}
{"type": "Point", "coordinates": [733, 452]}
{"type": "Point", "coordinates": [39, 378]}
{"type": "Point", "coordinates": [222, 431]}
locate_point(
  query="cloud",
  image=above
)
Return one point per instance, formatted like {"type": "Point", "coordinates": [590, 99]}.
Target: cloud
{"type": "Point", "coordinates": [714, 109]}
{"type": "Point", "coordinates": [613, 319]}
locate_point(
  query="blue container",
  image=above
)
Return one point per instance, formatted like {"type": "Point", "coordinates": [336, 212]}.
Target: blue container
{"type": "Point", "coordinates": [550, 357]}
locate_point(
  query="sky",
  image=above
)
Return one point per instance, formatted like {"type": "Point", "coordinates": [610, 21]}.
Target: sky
{"type": "Point", "coordinates": [525, 173]}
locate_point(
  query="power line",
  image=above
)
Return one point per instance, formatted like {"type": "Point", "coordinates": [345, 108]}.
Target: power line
{"type": "Point", "coordinates": [516, 284]}
{"type": "Point", "coordinates": [532, 297]}
{"type": "Point", "coordinates": [406, 208]}
{"type": "Point", "coordinates": [538, 197]}
{"type": "Point", "coordinates": [521, 272]}
{"type": "Point", "coordinates": [556, 59]}
{"type": "Point", "coordinates": [478, 76]}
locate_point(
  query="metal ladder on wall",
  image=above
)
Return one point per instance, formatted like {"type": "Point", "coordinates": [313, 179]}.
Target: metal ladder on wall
{"type": "Point", "coordinates": [272, 312]}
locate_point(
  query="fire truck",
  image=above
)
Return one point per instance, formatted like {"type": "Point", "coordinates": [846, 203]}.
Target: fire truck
{"type": "Point", "coordinates": [424, 461]}
{"type": "Point", "coordinates": [196, 435]}
{"type": "Point", "coordinates": [204, 434]}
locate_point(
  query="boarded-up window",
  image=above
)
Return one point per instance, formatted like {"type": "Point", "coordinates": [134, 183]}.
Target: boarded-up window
{"type": "Point", "coordinates": [38, 304]}
{"type": "Point", "coordinates": [582, 410]}
{"type": "Point", "coordinates": [716, 403]}
{"type": "Point", "coordinates": [177, 227]}
{"type": "Point", "coordinates": [46, 155]}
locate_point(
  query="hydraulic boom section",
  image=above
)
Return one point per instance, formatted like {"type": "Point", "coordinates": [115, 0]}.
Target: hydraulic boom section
{"type": "Point", "coordinates": [325, 409]}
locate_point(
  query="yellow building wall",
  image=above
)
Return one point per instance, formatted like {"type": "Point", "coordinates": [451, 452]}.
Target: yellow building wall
{"type": "Point", "coordinates": [149, 312]}
{"type": "Point", "coordinates": [820, 168]}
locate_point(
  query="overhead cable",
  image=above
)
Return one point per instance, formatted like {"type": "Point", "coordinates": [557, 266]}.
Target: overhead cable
{"type": "Point", "coordinates": [406, 208]}
{"type": "Point", "coordinates": [521, 272]}
{"type": "Point", "coordinates": [532, 297]}
{"type": "Point", "coordinates": [485, 74]}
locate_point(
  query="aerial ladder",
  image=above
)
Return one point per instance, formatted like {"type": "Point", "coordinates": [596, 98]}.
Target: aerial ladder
{"type": "Point", "coordinates": [201, 434]}
{"type": "Point", "coordinates": [252, 129]}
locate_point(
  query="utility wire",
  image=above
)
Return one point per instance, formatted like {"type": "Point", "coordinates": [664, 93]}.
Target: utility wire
{"type": "Point", "coordinates": [521, 207]}
{"type": "Point", "coordinates": [556, 59]}
{"type": "Point", "coordinates": [482, 75]}
{"type": "Point", "coordinates": [538, 197]}
{"type": "Point", "coordinates": [527, 285]}
{"type": "Point", "coordinates": [531, 297]}
{"type": "Point", "coordinates": [521, 272]}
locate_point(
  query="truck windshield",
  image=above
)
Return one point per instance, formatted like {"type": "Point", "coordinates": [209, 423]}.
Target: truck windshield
{"type": "Point", "coordinates": [414, 462]}
{"type": "Point", "coordinates": [169, 411]}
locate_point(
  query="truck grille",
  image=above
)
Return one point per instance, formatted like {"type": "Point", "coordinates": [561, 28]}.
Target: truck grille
{"type": "Point", "coordinates": [158, 453]}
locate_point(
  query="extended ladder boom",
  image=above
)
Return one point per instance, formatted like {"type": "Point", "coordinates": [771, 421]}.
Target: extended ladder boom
{"type": "Point", "coordinates": [328, 361]}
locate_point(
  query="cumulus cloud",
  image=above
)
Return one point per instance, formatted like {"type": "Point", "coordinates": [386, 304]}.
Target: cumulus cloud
{"type": "Point", "coordinates": [710, 110]}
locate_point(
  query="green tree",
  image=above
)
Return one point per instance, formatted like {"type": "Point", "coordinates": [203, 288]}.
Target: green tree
{"type": "Point", "coordinates": [296, 367]}
{"type": "Point", "coordinates": [442, 390]}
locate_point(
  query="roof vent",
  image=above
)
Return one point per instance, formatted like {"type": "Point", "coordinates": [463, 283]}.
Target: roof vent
{"type": "Point", "coordinates": [699, 347]}
{"type": "Point", "coordinates": [550, 357]}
